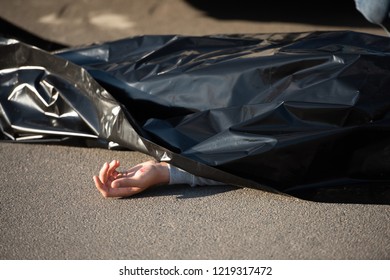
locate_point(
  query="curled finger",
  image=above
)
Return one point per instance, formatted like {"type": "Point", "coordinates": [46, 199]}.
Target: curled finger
{"type": "Point", "coordinates": [100, 186]}
{"type": "Point", "coordinates": [103, 172]}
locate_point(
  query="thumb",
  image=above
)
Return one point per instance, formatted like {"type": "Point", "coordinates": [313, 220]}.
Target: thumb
{"type": "Point", "coordinates": [125, 183]}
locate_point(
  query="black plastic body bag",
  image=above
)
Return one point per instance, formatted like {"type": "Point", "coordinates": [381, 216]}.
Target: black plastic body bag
{"type": "Point", "coordinates": [294, 113]}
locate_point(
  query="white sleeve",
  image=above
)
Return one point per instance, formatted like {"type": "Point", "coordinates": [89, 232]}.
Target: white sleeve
{"type": "Point", "coordinates": [180, 176]}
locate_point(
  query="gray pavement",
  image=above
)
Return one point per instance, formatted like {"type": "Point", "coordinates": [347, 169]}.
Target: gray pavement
{"type": "Point", "coordinates": [49, 208]}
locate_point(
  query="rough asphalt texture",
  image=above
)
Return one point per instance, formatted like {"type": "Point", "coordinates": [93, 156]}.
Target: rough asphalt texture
{"type": "Point", "coordinates": [49, 208]}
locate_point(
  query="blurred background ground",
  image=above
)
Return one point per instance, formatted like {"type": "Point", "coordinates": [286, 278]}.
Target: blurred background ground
{"type": "Point", "coordinates": [51, 210]}
{"type": "Point", "coordinates": [86, 21]}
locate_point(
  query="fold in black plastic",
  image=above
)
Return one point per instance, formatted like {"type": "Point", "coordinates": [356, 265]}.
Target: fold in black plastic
{"type": "Point", "coordinates": [288, 112]}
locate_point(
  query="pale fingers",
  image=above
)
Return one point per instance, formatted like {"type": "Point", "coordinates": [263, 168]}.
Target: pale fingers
{"type": "Point", "coordinates": [103, 172]}
{"type": "Point", "coordinates": [125, 182]}
{"type": "Point", "coordinates": [108, 170]}
{"type": "Point", "coordinates": [123, 192]}
{"type": "Point", "coordinates": [100, 186]}
{"type": "Point", "coordinates": [106, 191]}
{"type": "Point", "coordinates": [113, 165]}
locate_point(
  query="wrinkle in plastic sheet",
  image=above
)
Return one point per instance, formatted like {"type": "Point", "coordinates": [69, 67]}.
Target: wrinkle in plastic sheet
{"type": "Point", "coordinates": [291, 112]}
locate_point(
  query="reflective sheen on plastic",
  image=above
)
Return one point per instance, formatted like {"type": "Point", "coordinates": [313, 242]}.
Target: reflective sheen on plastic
{"type": "Point", "coordinates": [286, 112]}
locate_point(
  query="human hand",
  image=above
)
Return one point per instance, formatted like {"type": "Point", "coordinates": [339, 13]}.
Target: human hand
{"type": "Point", "coordinates": [112, 183]}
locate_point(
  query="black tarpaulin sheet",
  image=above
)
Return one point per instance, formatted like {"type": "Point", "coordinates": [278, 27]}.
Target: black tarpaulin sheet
{"type": "Point", "coordinates": [291, 112]}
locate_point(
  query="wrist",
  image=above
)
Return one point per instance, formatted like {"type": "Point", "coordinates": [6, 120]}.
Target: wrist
{"type": "Point", "coordinates": [162, 172]}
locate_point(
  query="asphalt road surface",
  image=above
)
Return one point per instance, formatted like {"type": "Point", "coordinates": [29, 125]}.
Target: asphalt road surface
{"type": "Point", "coordinates": [50, 208]}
